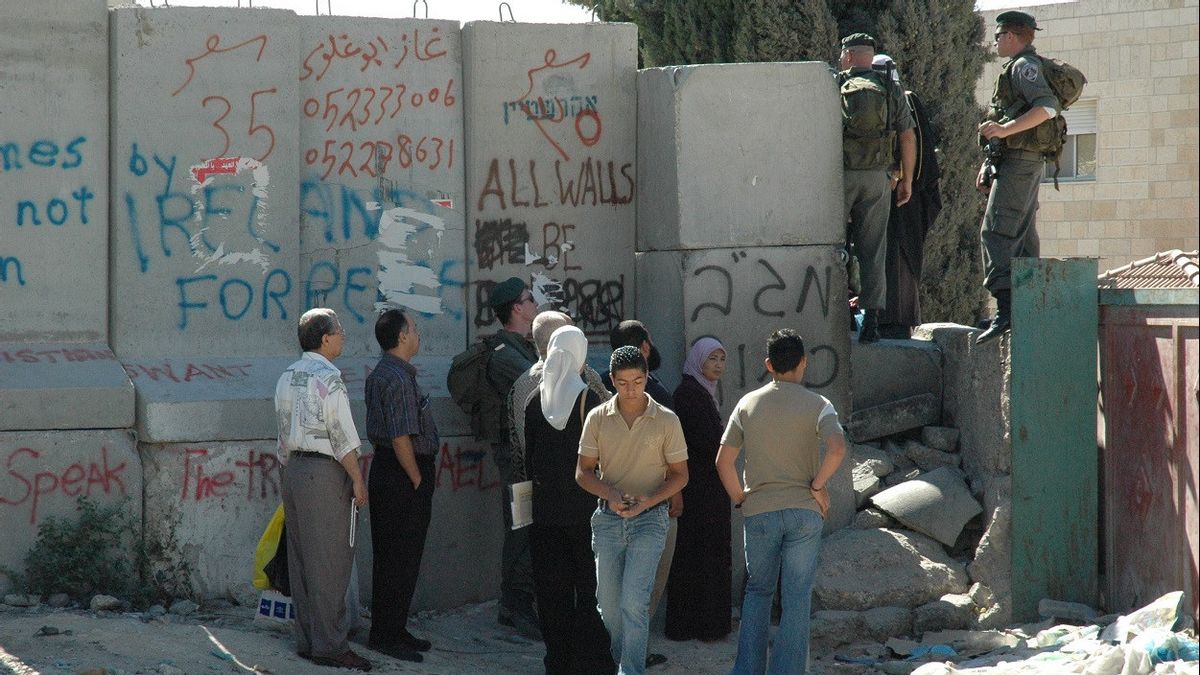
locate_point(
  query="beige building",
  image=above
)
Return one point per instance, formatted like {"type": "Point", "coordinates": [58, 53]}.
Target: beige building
{"type": "Point", "coordinates": [1130, 171]}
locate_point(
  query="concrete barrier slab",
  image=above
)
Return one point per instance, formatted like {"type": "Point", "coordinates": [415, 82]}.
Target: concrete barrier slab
{"type": "Point", "coordinates": [739, 155]}
{"type": "Point", "coordinates": [936, 503]}
{"type": "Point", "coordinates": [63, 386]}
{"type": "Point", "coordinates": [204, 171]}
{"type": "Point", "coordinates": [890, 370]}
{"type": "Point", "coordinates": [382, 201]}
{"type": "Point", "coordinates": [894, 417]}
{"type": "Point", "coordinates": [740, 296]}
{"type": "Point", "coordinates": [47, 472]}
{"type": "Point", "coordinates": [551, 130]}
{"type": "Point", "coordinates": [208, 504]}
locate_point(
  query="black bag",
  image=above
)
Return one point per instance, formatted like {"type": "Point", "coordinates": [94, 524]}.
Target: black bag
{"type": "Point", "coordinates": [277, 569]}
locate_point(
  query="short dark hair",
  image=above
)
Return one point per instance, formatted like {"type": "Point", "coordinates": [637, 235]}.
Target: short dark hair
{"type": "Point", "coordinates": [314, 325]}
{"type": "Point", "coordinates": [785, 349]}
{"type": "Point", "coordinates": [504, 312]}
{"type": "Point", "coordinates": [628, 333]}
{"type": "Point", "coordinates": [388, 328]}
{"type": "Point", "coordinates": [626, 357]}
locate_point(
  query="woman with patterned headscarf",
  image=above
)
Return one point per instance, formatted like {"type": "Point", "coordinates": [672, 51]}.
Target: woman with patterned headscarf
{"type": "Point", "coordinates": [698, 591]}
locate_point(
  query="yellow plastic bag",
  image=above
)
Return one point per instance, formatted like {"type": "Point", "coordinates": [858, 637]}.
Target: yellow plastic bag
{"type": "Point", "coordinates": [268, 544]}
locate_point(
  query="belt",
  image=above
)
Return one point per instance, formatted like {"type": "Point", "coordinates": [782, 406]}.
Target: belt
{"type": "Point", "coordinates": [314, 455]}
{"type": "Point", "coordinates": [1025, 155]}
{"type": "Point", "coordinates": [603, 504]}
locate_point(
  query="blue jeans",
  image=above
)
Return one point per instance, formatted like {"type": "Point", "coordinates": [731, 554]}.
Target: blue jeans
{"type": "Point", "coordinates": [788, 541]}
{"type": "Point", "coordinates": [627, 553]}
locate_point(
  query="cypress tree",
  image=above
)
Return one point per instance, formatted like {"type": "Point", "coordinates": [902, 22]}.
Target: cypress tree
{"type": "Point", "coordinates": [937, 48]}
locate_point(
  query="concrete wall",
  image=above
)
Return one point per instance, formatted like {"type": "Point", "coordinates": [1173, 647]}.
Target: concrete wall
{"type": "Point", "coordinates": [56, 370]}
{"type": "Point", "coordinates": [551, 134]}
{"type": "Point", "coordinates": [1143, 71]}
{"type": "Point", "coordinates": [46, 472]}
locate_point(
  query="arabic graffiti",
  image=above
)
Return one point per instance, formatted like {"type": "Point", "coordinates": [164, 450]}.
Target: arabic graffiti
{"type": "Point", "coordinates": [380, 56]}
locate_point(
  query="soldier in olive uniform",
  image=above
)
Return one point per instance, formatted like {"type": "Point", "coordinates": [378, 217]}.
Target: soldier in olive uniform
{"type": "Point", "coordinates": [875, 112]}
{"type": "Point", "coordinates": [1018, 129]}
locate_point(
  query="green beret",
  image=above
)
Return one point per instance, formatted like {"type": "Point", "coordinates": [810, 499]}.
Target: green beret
{"type": "Point", "coordinates": [506, 291]}
{"type": "Point", "coordinates": [1015, 18]}
{"type": "Point", "coordinates": [858, 40]}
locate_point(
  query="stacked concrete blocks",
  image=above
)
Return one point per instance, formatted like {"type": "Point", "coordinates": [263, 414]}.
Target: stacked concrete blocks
{"type": "Point", "coordinates": [551, 145]}
{"type": "Point", "coordinates": [64, 398]}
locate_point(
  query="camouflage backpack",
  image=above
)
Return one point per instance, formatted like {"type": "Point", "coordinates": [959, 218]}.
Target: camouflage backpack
{"type": "Point", "coordinates": [866, 139]}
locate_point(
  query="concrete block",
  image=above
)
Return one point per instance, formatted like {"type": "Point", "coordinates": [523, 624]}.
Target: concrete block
{"type": "Point", "coordinates": [382, 195]}
{"type": "Point", "coordinates": [834, 627]}
{"type": "Point", "coordinates": [937, 504]}
{"type": "Point", "coordinates": [861, 569]}
{"type": "Point", "coordinates": [868, 518]}
{"type": "Point", "coordinates": [46, 472]}
{"type": "Point", "coordinates": [63, 386]}
{"type": "Point", "coordinates": [993, 557]}
{"type": "Point", "coordinates": [890, 370]}
{"type": "Point", "coordinates": [54, 159]}
{"type": "Point", "coordinates": [866, 484]}
{"type": "Point", "coordinates": [204, 172]}
{"type": "Point", "coordinates": [901, 475]}
{"type": "Point", "coordinates": [882, 623]}
{"type": "Point", "coordinates": [976, 395]}
{"type": "Point", "coordinates": [551, 127]}
{"type": "Point", "coordinates": [740, 296]}
{"type": "Point", "coordinates": [878, 461]}
{"type": "Point", "coordinates": [214, 499]}
{"type": "Point", "coordinates": [894, 417]}
{"type": "Point", "coordinates": [703, 182]}
{"type": "Point", "coordinates": [940, 438]}
{"type": "Point", "coordinates": [954, 611]}
{"type": "Point", "coordinates": [929, 459]}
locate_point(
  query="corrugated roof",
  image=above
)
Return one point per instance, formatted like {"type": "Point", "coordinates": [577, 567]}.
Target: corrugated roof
{"type": "Point", "coordinates": [1170, 269]}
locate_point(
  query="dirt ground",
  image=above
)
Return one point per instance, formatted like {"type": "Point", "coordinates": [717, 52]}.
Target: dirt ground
{"type": "Point", "coordinates": [229, 640]}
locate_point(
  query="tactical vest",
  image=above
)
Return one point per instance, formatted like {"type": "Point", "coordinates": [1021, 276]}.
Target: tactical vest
{"type": "Point", "coordinates": [1046, 138]}
{"type": "Point", "coordinates": [867, 137]}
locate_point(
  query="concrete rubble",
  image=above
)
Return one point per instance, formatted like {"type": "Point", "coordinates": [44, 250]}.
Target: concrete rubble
{"type": "Point", "coordinates": [937, 504]}
{"type": "Point", "coordinates": [894, 417]}
{"type": "Point", "coordinates": [861, 569]}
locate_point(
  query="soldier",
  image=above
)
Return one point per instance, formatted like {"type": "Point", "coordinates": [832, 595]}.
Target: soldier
{"type": "Point", "coordinates": [874, 113]}
{"type": "Point", "coordinates": [1017, 132]}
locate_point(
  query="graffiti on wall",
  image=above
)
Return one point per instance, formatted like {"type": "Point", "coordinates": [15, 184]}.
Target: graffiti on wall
{"type": "Point", "coordinates": [31, 476]}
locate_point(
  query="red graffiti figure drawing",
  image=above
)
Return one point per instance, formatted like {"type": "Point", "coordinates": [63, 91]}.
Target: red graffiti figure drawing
{"type": "Point", "coordinates": [588, 137]}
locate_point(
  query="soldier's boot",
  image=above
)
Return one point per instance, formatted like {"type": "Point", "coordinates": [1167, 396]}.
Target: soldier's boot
{"type": "Point", "coordinates": [1003, 320]}
{"type": "Point", "coordinates": [870, 327]}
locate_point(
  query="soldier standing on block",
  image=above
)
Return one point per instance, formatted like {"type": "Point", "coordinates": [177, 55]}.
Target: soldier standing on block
{"type": "Point", "coordinates": [874, 113]}
{"type": "Point", "coordinates": [1017, 136]}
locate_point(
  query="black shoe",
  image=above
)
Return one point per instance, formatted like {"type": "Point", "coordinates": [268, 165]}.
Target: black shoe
{"type": "Point", "coordinates": [399, 651]}
{"type": "Point", "coordinates": [524, 622]}
{"type": "Point", "coordinates": [870, 329]}
{"type": "Point", "coordinates": [999, 326]}
{"type": "Point", "coordinates": [655, 660]}
{"type": "Point", "coordinates": [413, 642]}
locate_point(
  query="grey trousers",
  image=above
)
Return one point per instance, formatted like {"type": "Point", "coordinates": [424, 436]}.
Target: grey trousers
{"type": "Point", "coordinates": [664, 567]}
{"type": "Point", "coordinates": [1009, 227]}
{"type": "Point", "coordinates": [316, 508]}
{"type": "Point", "coordinates": [868, 203]}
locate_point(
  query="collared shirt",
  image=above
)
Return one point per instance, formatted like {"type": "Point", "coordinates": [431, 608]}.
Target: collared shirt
{"type": "Point", "coordinates": [522, 392]}
{"type": "Point", "coordinates": [396, 407]}
{"type": "Point", "coordinates": [780, 427]}
{"type": "Point", "coordinates": [654, 387]}
{"type": "Point", "coordinates": [633, 459]}
{"type": "Point", "coordinates": [1028, 80]}
{"type": "Point", "coordinates": [312, 409]}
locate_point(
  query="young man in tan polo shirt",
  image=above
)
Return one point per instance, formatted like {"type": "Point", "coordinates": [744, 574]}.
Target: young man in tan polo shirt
{"type": "Point", "coordinates": [781, 427]}
{"type": "Point", "coordinates": [638, 448]}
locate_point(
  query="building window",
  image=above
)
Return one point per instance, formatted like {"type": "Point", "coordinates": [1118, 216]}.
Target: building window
{"type": "Point", "coordinates": [1078, 161]}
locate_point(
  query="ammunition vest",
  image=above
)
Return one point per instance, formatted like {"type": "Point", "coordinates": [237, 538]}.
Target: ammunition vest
{"type": "Point", "coordinates": [1046, 138]}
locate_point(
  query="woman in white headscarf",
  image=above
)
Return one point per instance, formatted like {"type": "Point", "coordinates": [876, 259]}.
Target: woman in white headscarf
{"type": "Point", "coordinates": [699, 588]}
{"type": "Point", "coordinates": [560, 538]}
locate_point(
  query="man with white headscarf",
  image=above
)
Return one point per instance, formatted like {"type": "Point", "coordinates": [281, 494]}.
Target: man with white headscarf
{"type": "Point", "coordinates": [564, 570]}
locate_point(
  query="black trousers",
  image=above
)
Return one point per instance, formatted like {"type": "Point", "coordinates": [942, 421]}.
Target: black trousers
{"type": "Point", "coordinates": [564, 580]}
{"type": "Point", "coordinates": [399, 521]}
